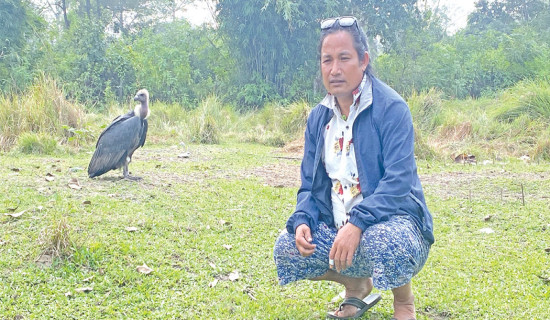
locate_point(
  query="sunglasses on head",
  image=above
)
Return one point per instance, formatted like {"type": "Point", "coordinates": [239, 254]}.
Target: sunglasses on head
{"type": "Point", "coordinates": [342, 22]}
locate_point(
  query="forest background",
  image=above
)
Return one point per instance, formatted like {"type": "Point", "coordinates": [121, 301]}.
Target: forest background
{"type": "Point", "coordinates": [254, 54]}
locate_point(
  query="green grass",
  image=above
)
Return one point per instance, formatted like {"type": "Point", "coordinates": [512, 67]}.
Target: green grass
{"type": "Point", "coordinates": [187, 210]}
{"type": "Point", "coordinates": [237, 189]}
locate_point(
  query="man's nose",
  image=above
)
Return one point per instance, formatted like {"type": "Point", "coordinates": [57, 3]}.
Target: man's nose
{"type": "Point", "coordinates": [335, 68]}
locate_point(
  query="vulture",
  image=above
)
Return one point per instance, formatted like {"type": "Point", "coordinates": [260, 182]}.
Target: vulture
{"type": "Point", "coordinates": [117, 143]}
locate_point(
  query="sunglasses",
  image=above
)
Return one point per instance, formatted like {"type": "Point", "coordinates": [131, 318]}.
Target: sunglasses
{"type": "Point", "coordinates": [342, 22]}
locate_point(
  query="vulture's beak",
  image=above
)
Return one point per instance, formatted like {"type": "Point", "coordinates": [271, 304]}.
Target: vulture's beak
{"type": "Point", "coordinates": [136, 98]}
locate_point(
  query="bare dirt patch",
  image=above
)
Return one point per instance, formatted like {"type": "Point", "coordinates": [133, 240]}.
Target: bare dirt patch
{"type": "Point", "coordinates": [488, 184]}
{"type": "Point", "coordinates": [285, 172]}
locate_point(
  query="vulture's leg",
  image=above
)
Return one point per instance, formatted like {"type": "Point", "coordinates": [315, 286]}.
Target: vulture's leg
{"type": "Point", "coordinates": [126, 173]}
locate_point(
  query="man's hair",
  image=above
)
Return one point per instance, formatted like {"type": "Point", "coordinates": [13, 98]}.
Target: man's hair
{"type": "Point", "coordinates": [359, 40]}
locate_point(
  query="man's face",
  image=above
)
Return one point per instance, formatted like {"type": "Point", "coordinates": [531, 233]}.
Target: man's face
{"type": "Point", "coordinates": [341, 68]}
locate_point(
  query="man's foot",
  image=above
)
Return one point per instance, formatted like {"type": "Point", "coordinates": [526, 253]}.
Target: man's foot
{"type": "Point", "coordinates": [357, 288]}
{"type": "Point", "coordinates": [403, 303]}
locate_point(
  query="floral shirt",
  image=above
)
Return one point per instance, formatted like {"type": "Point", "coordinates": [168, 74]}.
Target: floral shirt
{"type": "Point", "coordinates": [339, 154]}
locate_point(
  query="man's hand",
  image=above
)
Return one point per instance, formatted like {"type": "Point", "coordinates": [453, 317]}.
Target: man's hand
{"type": "Point", "coordinates": [344, 246]}
{"type": "Point", "coordinates": [304, 240]}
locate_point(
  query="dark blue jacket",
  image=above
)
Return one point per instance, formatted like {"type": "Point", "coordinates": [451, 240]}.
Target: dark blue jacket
{"type": "Point", "coordinates": [383, 138]}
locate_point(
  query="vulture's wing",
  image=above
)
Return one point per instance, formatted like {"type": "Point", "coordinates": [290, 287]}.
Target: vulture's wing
{"type": "Point", "coordinates": [115, 121]}
{"type": "Point", "coordinates": [143, 133]}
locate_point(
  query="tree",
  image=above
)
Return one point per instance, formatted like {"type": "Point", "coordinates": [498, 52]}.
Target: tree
{"type": "Point", "coordinates": [504, 15]}
{"type": "Point", "coordinates": [387, 20]}
{"type": "Point", "coordinates": [273, 42]}
{"type": "Point", "coordinates": [20, 29]}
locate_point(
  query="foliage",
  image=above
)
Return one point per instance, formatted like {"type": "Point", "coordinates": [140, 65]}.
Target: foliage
{"type": "Point", "coordinates": [19, 35]}
{"type": "Point", "coordinates": [37, 143]}
{"type": "Point", "coordinates": [80, 53]}
{"type": "Point", "coordinates": [276, 38]}
{"type": "Point", "coordinates": [504, 15]}
{"type": "Point", "coordinates": [178, 63]}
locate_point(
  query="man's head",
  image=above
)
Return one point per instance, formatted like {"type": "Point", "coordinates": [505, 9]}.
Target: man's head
{"type": "Point", "coordinates": [344, 56]}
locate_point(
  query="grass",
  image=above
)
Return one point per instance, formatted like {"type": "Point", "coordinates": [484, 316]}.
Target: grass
{"type": "Point", "coordinates": [202, 220]}
{"type": "Point", "coordinates": [218, 212]}
{"type": "Point", "coordinates": [42, 109]}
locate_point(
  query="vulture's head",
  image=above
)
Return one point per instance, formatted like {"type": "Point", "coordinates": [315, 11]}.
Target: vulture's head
{"type": "Point", "coordinates": [143, 108]}
{"type": "Point", "coordinates": [142, 96]}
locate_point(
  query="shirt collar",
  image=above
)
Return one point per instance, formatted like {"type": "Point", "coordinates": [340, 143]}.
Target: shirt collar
{"type": "Point", "coordinates": [330, 102]}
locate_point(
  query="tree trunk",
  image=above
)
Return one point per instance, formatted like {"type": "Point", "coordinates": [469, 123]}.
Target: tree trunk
{"type": "Point", "coordinates": [88, 8]}
{"type": "Point", "coordinates": [98, 9]}
{"type": "Point", "coordinates": [64, 9]}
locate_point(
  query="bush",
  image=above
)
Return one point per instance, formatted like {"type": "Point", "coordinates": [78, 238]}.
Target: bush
{"type": "Point", "coordinates": [37, 143]}
{"type": "Point", "coordinates": [529, 97]}
{"type": "Point", "coordinates": [426, 109]}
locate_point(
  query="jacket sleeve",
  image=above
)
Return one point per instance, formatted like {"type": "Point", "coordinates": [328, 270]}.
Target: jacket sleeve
{"type": "Point", "coordinates": [396, 133]}
{"type": "Point", "coordinates": [307, 211]}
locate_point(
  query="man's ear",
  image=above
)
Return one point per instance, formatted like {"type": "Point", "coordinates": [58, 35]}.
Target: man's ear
{"type": "Point", "coordinates": [365, 61]}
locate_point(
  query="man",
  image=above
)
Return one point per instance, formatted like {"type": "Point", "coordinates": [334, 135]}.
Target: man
{"type": "Point", "coordinates": [361, 218]}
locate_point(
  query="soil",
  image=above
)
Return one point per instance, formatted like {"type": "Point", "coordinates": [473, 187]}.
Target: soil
{"type": "Point", "coordinates": [285, 172]}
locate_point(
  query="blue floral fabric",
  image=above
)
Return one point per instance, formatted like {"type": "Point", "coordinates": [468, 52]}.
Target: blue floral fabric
{"type": "Point", "coordinates": [391, 252]}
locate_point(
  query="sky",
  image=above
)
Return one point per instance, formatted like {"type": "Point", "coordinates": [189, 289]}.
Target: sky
{"type": "Point", "coordinates": [457, 10]}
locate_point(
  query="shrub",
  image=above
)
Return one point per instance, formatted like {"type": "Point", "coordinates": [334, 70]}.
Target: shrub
{"type": "Point", "coordinates": [426, 109]}
{"type": "Point", "coordinates": [37, 143]}
{"type": "Point", "coordinates": [528, 97]}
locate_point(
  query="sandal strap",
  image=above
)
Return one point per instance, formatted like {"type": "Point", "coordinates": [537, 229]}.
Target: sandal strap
{"type": "Point", "coordinates": [356, 302]}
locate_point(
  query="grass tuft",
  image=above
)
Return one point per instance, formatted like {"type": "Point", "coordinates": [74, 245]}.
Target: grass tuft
{"type": "Point", "coordinates": [56, 239]}
{"type": "Point", "coordinates": [530, 97]}
{"type": "Point", "coordinates": [426, 109]}
{"type": "Point", "coordinates": [207, 121]}
{"type": "Point", "coordinates": [33, 143]}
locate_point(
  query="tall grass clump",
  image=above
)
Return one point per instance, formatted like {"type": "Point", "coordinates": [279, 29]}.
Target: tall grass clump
{"type": "Point", "coordinates": [541, 150]}
{"type": "Point", "coordinates": [422, 150]}
{"type": "Point", "coordinates": [208, 121]}
{"type": "Point", "coordinates": [529, 97]}
{"type": "Point", "coordinates": [426, 108]}
{"type": "Point", "coordinates": [36, 143]}
{"type": "Point", "coordinates": [41, 109]}
{"type": "Point", "coordinates": [276, 125]}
